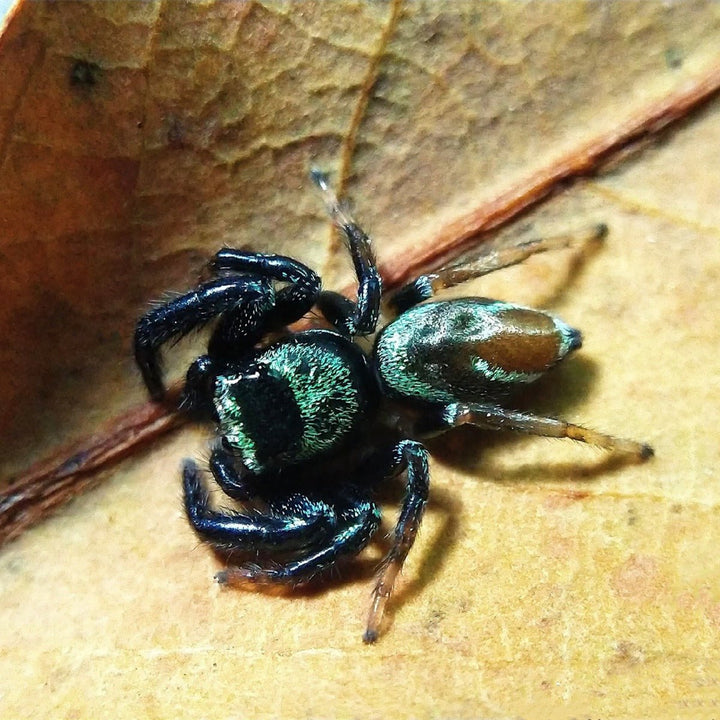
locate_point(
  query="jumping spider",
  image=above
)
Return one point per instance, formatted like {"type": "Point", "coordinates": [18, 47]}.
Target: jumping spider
{"type": "Point", "coordinates": [306, 431]}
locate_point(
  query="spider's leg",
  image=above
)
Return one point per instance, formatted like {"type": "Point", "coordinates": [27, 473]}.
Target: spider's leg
{"type": "Point", "coordinates": [492, 259]}
{"type": "Point", "coordinates": [358, 518]}
{"type": "Point", "coordinates": [228, 530]}
{"type": "Point", "coordinates": [237, 329]}
{"type": "Point", "coordinates": [361, 317]}
{"type": "Point", "coordinates": [413, 457]}
{"type": "Point", "coordinates": [235, 484]}
{"type": "Point", "coordinates": [493, 417]}
{"type": "Point", "coordinates": [292, 301]}
{"type": "Point", "coordinates": [337, 310]}
{"type": "Point", "coordinates": [248, 297]}
{"type": "Point", "coordinates": [197, 392]}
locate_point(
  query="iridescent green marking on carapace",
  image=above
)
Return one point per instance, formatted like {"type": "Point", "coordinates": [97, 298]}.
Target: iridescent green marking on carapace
{"type": "Point", "coordinates": [470, 348]}
{"type": "Point", "coordinates": [303, 400]}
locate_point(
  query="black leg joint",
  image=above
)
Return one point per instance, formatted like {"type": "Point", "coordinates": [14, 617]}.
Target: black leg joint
{"type": "Point", "coordinates": [338, 310]}
{"type": "Point", "coordinates": [411, 294]}
{"type": "Point", "coordinates": [232, 482]}
{"type": "Point", "coordinates": [199, 389]}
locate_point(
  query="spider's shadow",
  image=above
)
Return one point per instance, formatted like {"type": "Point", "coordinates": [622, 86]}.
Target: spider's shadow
{"type": "Point", "coordinates": [463, 450]}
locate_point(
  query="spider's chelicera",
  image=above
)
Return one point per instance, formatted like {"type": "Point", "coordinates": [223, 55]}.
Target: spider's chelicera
{"type": "Point", "coordinates": [311, 424]}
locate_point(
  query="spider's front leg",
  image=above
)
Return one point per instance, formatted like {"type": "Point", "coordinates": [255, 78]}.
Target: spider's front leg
{"type": "Point", "coordinates": [303, 523]}
{"type": "Point", "coordinates": [190, 311]}
{"type": "Point", "coordinates": [244, 299]}
{"type": "Point", "coordinates": [355, 519]}
{"type": "Point", "coordinates": [350, 519]}
{"type": "Point", "coordinates": [239, 485]}
{"type": "Point", "coordinates": [298, 293]}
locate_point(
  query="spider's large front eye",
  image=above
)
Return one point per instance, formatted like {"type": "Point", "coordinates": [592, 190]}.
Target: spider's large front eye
{"type": "Point", "coordinates": [258, 416]}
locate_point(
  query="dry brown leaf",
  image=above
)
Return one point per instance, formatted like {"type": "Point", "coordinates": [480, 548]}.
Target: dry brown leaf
{"type": "Point", "coordinates": [548, 581]}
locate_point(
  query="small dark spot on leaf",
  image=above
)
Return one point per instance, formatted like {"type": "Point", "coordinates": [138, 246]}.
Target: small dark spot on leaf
{"type": "Point", "coordinates": [673, 58]}
{"type": "Point", "coordinates": [576, 494]}
{"type": "Point", "coordinates": [84, 74]}
{"type": "Point", "coordinates": [175, 132]}
{"type": "Point", "coordinates": [435, 619]}
{"type": "Point", "coordinates": [14, 566]}
{"type": "Point", "coordinates": [629, 653]}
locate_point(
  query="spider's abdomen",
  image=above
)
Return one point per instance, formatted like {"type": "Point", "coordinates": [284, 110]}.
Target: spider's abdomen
{"type": "Point", "coordinates": [468, 349]}
{"type": "Point", "coordinates": [298, 398]}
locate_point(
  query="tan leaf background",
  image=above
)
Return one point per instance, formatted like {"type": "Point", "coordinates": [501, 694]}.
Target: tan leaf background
{"type": "Point", "coordinates": [549, 580]}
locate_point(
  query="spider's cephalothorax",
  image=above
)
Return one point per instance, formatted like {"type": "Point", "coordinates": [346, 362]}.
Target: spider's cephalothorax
{"type": "Point", "coordinates": [305, 440]}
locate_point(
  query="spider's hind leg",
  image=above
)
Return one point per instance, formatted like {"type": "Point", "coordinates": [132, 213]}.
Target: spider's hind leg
{"type": "Point", "coordinates": [412, 457]}
{"type": "Point", "coordinates": [494, 417]}
{"type": "Point", "coordinates": [490, 260]}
